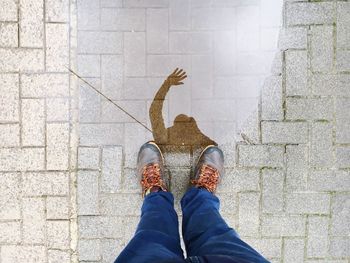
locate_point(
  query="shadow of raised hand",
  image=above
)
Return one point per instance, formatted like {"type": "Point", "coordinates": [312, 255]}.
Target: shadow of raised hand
{"type": "Point", "coordinates": [184, 131]}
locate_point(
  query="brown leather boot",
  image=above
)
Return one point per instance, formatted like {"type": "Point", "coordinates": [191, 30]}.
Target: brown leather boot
{"type": "Point", "coordinates": [209, 169]}
{"type": "Point", "coordinates": [150, 167]}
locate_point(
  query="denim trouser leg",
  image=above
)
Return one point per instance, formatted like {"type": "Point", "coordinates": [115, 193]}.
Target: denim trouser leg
{"type": "Point", "coordinates": [205, 231]}
{"type": "Point", "coordinates": [157, 235]}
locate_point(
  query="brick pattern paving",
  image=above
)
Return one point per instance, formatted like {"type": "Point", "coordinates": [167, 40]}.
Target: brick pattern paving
{"type": "Point", "coordinates": [34, 131]}
{"type": "Point", "coordinates": [286, 189]}
{"type": "Point", "coordinates": [287, 184]}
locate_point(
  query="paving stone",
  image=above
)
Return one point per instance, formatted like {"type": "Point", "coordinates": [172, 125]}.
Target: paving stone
{"type": "Point", "coordinates": [220, 18]}
{"type": "Point", "coordinates": [30, 254]}
{"type": "Point", "coordinates": [343, 22]}
{"type": "Point", "coordinates": [343, 58]}
{"type": "Point", "coordinates": [33, 122]}
{"type": "Point", "coordinates": [23, 60]}
{"type": "Point", "coordinates": [10, 232]}
{"type": "Point", "coordinates": [120, 205]}
{"type": "Point", "coordinates": [326, 261]}
{"type": "Point", "coordinates": [272, 194]}
{"type": "Point", "coordinates": [88, 12]}
{"type": "Point", "coordinates": [342, 106]}
{"type": "Point", "coordinates": [130, 227]}
{"type": "Point", "coordinates": [269, 37]}
{"type": "Point", "coordinates": [296, 73]}
{"type": "Point", "coordinates": [342, 155]}
{"type": "Point", "coordinates": [89, 250]}
{"type": "Point", "coordinates": [342, 131]}
{"type": "Point", "coordinates": [308, 203]}
{"type": "Point", "coordinates": [84, 226]}
{"type": "Point", "coordinates": [321, 145]}
{"type": "Point", "coordinates": [111, 3]}
{"type": "Point", "coordinates": [268, 247]}
{"type": "Point", "coordinates": [322, 48]}
{"type": "Point", "coordinates": [97, 42]}
{"type": "Point", "coordinates": [163, 65]}
{"type": "Point", "coordinates": [57, 109]}
{"type": "Point", "coordinates": [131, 182]}
{"type": "Point", "coordinates": [228, 203]}
{"type": "Point", "coordinates": [248, 214]}
{"type": "Point", "coordinates": [58, 234]}
{"type": "Point", "coordinates": [123, 19]}
{"type": "Point", "coordinates": [337, 85]}
{"type": "Point", "coordinates": [9, 97]}
{"type": "Point", "coordinates": [329, 181]}
{"type": "Point", "coordinates": [9, 35]}
{"type": "Point", "coordinates": [112, 71]}
{"type": "Point", "coordinates": [294, 250]}
{"type": "Point", "coordinates": [190, 42]}
{"type": "Point", "coordinates": [9, 10]}
{"type": "Point", "coordinates": [101, 134]}
{"type": "Point", "coordinates": [57, 207]}
{"type": "Point", "coordinates": [48, 183]}
{"type": "Point", "coordinates": [10, 196]}
{"type": "Point", "coordinates": [57, 141]}
{"type": "Point", "coordinates": [297, 167]}
{"type": "Point", "coordinates": [341, 214]}
{"type": "Point", "coordinates": [293, 37]}
{"type": "Point", "coordinates": [110, 249]}
{"type": "Point", "coordinates": [111, 169]}
{"type": "Point", "coordinates": [15, 159]}
{"type": "Point", "coordinates": [339, 247]}
{"type": "Point", "coordinates": [146, 3]}
{"type": "Point", "coordinates": [177, 156]}
{"type": "Point", "coordinates": [9, 135]}
{"type": "Point", "coordinates": [57, 47]}
{"type": "Point", "coordinates": [317, 242]}
{"type": "Point", "coordinates": [309, 109]}
{"type": "Point", "coordinates": [238, 180]}
{"type": "Point", "coordinates": [247, 26]}
{"type": "Point", "coordinates": [283, 226]}
{"type": "Point", "coordinates": [31, 27]}
{"type": "Point", "coordinates": [88, 158]}
{"type": "Point", "coordinates": [179, 15]}
{"type": "Point", "coordinates": [260, 155]}
{"type": "Point", "coordinates": [88, 65]}
{"type": "Point", "coordinates": [89, 101]}
{"type": "Point", "coordinates": [271, 99]}
{"type": "Point", "coordinates": [33, 221]}
{"type": "Point", "coordinates": [44, 85]}
{"type": "Point", "coordinates": [309, 13]}
{"type": "Point", "coordinates": [135, 136]}
{"type": "Point", "coordinates": [284, 132]}
{"type": "Point", "coordinates": [58, 256]}
{"type": "Point", "coordinates": [157, 30]}
{"type": "Point", "coordinates": [88, 195]}
{"type": "Point", "coordinates": [57, 11]}
{"type": "Point", "coordinates": [201, 76]}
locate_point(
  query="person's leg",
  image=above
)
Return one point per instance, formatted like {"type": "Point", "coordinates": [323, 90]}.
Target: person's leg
{"type": "Point", "coordinates": [157, 236]}
{"type": "Point", "coordinates": [205, 232]}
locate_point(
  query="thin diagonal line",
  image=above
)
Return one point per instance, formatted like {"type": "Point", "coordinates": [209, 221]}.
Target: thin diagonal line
{"type": "Point", "coordinates": [111, 101]}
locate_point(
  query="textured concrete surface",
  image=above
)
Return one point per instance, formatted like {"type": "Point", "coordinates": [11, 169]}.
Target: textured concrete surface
{"type": "Point", "coordinates": [68, 189]}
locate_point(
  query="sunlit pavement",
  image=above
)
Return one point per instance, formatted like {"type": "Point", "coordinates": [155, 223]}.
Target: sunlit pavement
{"type": "Point", "coordinates": [273, 92]}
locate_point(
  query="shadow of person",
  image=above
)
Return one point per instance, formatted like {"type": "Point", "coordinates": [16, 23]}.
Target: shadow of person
{"type": "Point", "coordinates": [185, 131]}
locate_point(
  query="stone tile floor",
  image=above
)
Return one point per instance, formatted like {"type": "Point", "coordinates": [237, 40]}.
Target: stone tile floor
{"type": "Point", "coordinates": [68, 189]}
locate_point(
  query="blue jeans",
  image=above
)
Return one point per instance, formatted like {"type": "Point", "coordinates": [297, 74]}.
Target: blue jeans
{"type": "Point", "coordinates": [204, 231]}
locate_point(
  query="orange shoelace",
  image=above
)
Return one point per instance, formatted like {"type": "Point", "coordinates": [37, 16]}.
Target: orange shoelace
{"type": "Point", "coordinates": [208, 178]}
{"type": "Point", "coordinates": [151, 177]}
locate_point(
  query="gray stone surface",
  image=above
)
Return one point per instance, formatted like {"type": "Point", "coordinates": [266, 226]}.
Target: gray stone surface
{"type": "Point", "coordinates": [69, 190]}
